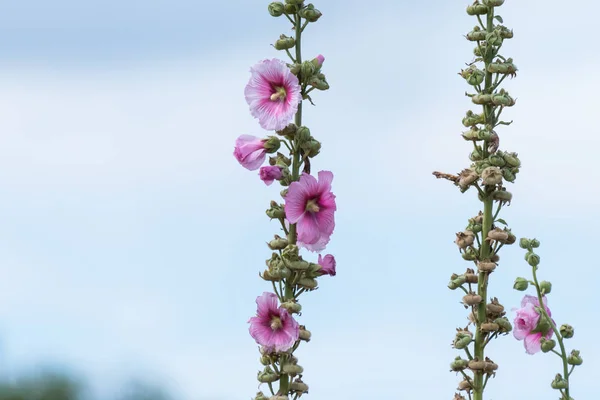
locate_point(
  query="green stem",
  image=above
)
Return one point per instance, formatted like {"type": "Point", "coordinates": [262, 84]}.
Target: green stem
{"type": "Point", "coordinates": [284, 382]}
{"type": "Point", "coordinates": [485, 249]}
{"type": "Point", "coordinates": [556, 332]}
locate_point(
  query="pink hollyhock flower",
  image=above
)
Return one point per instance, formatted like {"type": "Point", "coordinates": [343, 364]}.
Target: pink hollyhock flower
{"type": "Point", "coordinates": [250, 151]}
{"type": "Point", "coordinates": [273, 327]}
{"type": "Point", "coordinates": [526, 321]}
{"type": "Point", "coordinates": [273, 94]}
{"type": "Point", "coordinates": [270, 173]}
{"type": "Point", "coordinates": [311, 205]}
{"type": "Point", "coordinates": [327, 264]}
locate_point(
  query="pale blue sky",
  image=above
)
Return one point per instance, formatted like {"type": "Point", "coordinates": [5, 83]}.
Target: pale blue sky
{"type": "Point", "coordinates": [131, 240]}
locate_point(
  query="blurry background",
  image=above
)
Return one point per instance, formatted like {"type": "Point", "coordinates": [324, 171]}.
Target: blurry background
{"type": "Point", "coordinates": [131, 240]}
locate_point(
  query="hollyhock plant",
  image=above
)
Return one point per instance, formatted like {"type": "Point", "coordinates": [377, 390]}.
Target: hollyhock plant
{"type": "Point", "coordinates": [327, 264]}
{"type": "Point", "coordinates": [270, 173]}
{"type": "Point", "coordinates": [273, 327]}
{"type": "Point", "coordinates": [526, 323]}
{"type": "Point", "coordinates": [273, 94]}
{"type": "Point", "coordinates": [311, 204]}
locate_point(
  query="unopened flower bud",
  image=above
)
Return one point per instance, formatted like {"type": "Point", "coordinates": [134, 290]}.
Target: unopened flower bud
{"type": "Point", "coordinates": [574, 358]}
{"type": "Point", "coordinates": [477, 9]}
{"type": "Point", "coordinates": [307, 69]}
{"type": "Point", "coordinates": [318, 61]}
{"type": "Point", "coordinates": [290, 9]}
{"type": "Point", "coordinates": [545, 287]}
{"type": "Point", "coordinates": [267, 375]}
{"type": "Point", "coordinates": [276, 9]}
{"type": "Point", "coordinates": [459, 364]}
{"type": "Point", "coordinates": [318, 83]}
{"type": "Point", "coordinates": [504, 324]}
{"type": "Point", "coordinates": [533, 259]}
{"type": "Point", "coordinates": [292, 369]}
{"type": "Point", "coordinates": [524, 243]}
{"type": "Point", "coordinates": [547, 344]}
{"type": "Point", "coordinates": [559, 382]}
{"type": "Point", "coordinates": [305, 334]}
{"type": "Point", "coordinates": [521, 284]}
{"type": "Point", "coordinates": [567, 331]}
{"type": "Point", "coordinates": [472, 299]}
{"type": "Point", "coordinates": [272, 144]}
{"type": "Point", "coordinates": [535, 243]}
{"type": "Point", "coordinates": [508, 175]}
{"type": "Point", "coordinates": [284, 43]}
{"type": "Point", "coordinates": [289, 131]}
{"type": "Point", "coordinates": [491, 176]}
{"type": "Point", "coordinates": [294, 2]}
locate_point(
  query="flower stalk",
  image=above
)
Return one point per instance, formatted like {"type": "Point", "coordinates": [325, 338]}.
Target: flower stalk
{"type": "Point", "coordinates": [275, 94]}
{"type": "Point", "coordinates": [483, 238]}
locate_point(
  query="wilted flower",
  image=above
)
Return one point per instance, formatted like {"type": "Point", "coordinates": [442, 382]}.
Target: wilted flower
{"type": "Point", "coordinates": [250, 151]}
{"type": "Point", "coordinates": [327, 264]}
{"type": "Point", "coordinates": [270, 173]}
{"type": "Point", "coordinates": [311, 205]}
{"type": "Point", "coordinates": [526, 324]}
{"type": "Point", "coordinates": [273, 94]}
{"type": "Point", "coordinates": [273, 327]}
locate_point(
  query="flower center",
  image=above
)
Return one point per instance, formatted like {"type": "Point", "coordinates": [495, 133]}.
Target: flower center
{"type": "Point", "coordinates": [312, 206]}
{"type": "Point", "coordinates": [279, 94]}
{"type": "Point", "coordinates": [276, 323]}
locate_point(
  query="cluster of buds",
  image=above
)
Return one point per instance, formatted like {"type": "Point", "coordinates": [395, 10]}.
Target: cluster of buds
{"type": "Point", "coordinates": [275, 93]}
{"type": "Point", "coordinates": [535, 325]}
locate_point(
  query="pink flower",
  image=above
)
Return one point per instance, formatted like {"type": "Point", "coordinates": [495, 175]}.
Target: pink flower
{"type": "Point", "coordinates": [250, 151]}
{"type": "Point", "coordinates": [526, 321]}
{"type": "Point", "coordinates": [273, 94]}
{"type": "Point", "coordinates": [270, 173]}
{"type": "Point", "coordinates": [273, 327]}
{"type": "Point", "coordinates": [327, 264]}
{"type": "Point", "coordinates": [311, 205]}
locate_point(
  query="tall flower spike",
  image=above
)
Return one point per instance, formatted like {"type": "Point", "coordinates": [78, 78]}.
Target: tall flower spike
{"type": "Point", "coordinates": [489, 169]}
{"type": "Point", "coordinates": [274, 94]}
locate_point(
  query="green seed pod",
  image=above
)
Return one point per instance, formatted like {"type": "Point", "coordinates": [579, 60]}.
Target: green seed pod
{"type": "Point", "coordinates": [505, 33]}
{"type": "Point", "coordinates": [471, 134]}
{"type": "Point", "coordinates": [299, 387]}
{"type": "Point", "coordinates": [477, 9]}
{"type": "Point", "coordinates": [497, 161]}
{"type": "Point", "coordinates": [260, 396]}
{"type": "Point", "coordinates": [267, 375]}
{"type": "Point", "coordinates": [276, 9]}
{"type": "Point", "coordinates": [508, 175]}
{"type": "Point", "coordinates": [547, 344]}
{"type": "Point", "coordinates": [284, 43]}
{"type": "Point", "coordinates": [476, 154]}
{"type": "Point", "coordinates": [275, 211]}
{"type": "Point", "coordinates": [477, 228]}
{"type": "Point", "coordinates": [486, 266]}
{"type": "Point", "coordinates": [545, 287]}
{"type": "Point", "coordinates": [504, 324]}
{"type": "Point", "coordinates": [472, 119]}
{"type": "Point", "coordinates": [494, 38]}
{"type": "Point", "coordinates": [476, 365]}
{"type": "Point", "coordinates": [307, 69]}
{"type": "Point", "coordinates": [318, 83]}
{"type": "Point", "coordinates": [502, 68]}
{"type": "Point", "coordinates": [521, 284]}
{"type": "Point", "coordinates": [567, 331]}
{"type": "Point", "coordinates": [278, 243]}
{"type": "Point", "coordinates": [469, 254]}
{"type": "Point", "coordinates": [307, 283]}
{"type": "Point", "coordinates": [290, 9]}
{"type": "Point", "coordinates": [299, 265]}
{"type": "Point", "coordinates": [310, 13]}
{"type": "Point", "coordinates": [462, 340]}
{"type": "Point", "coordinates": [292, 369]}
{"type": "Point", "coordinates": [502, 196]}
{"type": "Point", "coordinates": [489, 327]}
{"type": "Point", "coordinates": [292, 307]}
{"type": "Point", "coordinates": [559, 382]}
{"type": "Point", "coordinates": [473, 75]}
{"type": "Point", "coordinates": [502, 98]}
{"type": "Point", "coordinates": [465, 385]}
{"type": "Point", "coordinates": [491, 176]}
{"type": "Point", "coordinates": [482, 99]}
{"type": "Point", "coordinates": [574, 358]}
{"type": "Point", "coordinates": [493, 3]}
{"type": "Point", "coordinates": [459, 364]}
{"type": "Point", "coordinates": [456, 281]}
{"type": "Point", "coordinates": [512, 159]}
{"type": "Point", "coordinates": [472, 299]}
{"type": "Point", "coordinates": [304, 334]}
{"type": "Point", "coordinates": [295, 69]}
{"type": "Point", "coordinates": [476, 34]}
